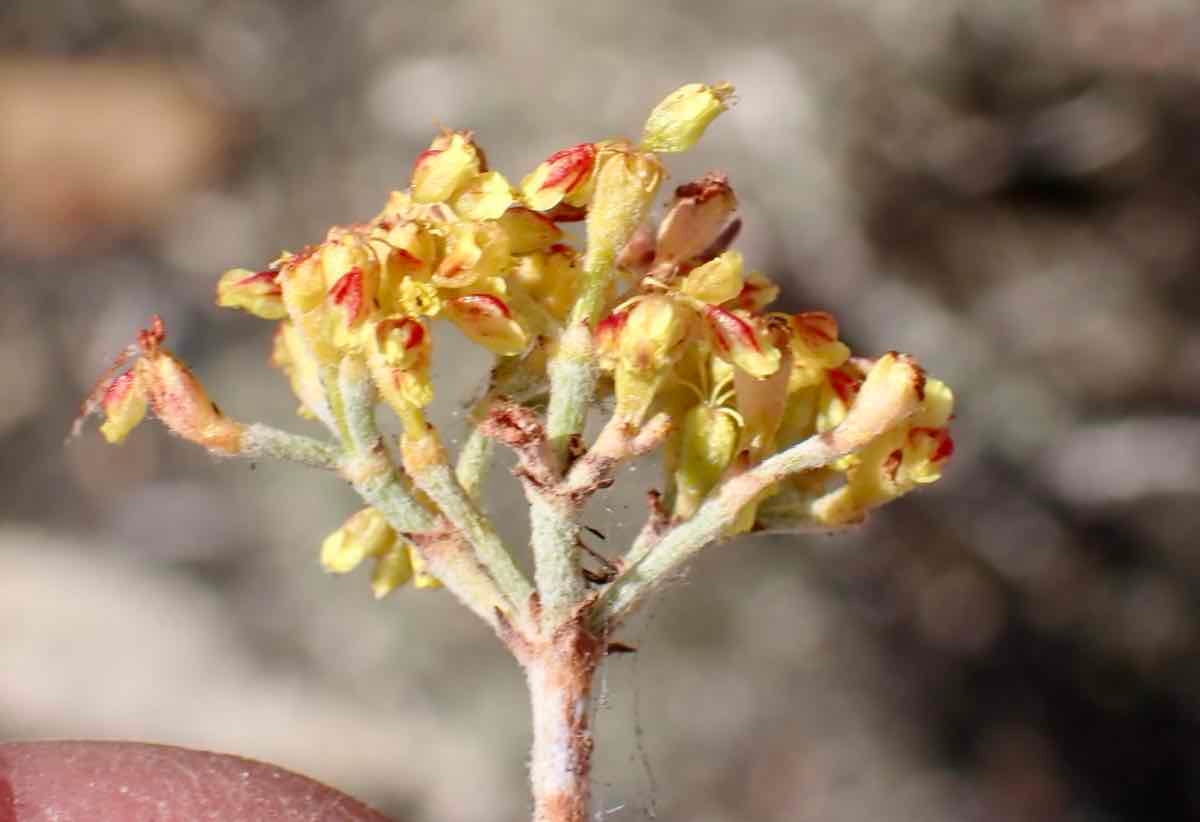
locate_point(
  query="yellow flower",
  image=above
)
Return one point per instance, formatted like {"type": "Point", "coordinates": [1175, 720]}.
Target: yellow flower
{"type": "Point", "coordinates": [258, 293]}
{"type": "Point", "coordinates": [707, 442]}
{"type": "Point", "coordinates": [487, 319]}
{"type": "Point", "coordinates": [716, 281]}
{"type": "Point", "coordinates": [393, 568]}
{"type": "Point", "coordinates": [365, 534]}
{"type": "Point", "coordinates": [486, 197]}
{"type": "Point", "coordinates": [564, 176]}
{"type": "Point", "coordinates": [398, 355]}
{"type": "Point", "coordinates": [293, 357]}
{"type": "Point", "coordinates": [123, 402]}
{"type": "Point", "coordinates": [451, 161]}
{"type": "Point", "coordinates": [680, 119]}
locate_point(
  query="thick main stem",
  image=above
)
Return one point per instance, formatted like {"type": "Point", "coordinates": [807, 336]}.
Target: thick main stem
{"type": "Point", "coordinates": [560, 673]}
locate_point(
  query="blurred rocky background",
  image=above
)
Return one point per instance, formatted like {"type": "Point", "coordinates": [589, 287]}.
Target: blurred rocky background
{"type": "Point", "coordinates": [1010, 190]}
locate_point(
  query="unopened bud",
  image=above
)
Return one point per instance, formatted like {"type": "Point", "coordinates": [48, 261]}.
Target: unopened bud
{"type": "Point", "coordinates": [124, 405]}
{"type": "Point", "coordinates": [450, 162]}
{"type": "Point", "coordinates": [484, 198]}
{"type": "Point", "coordinates": [179, 401]}
{"type": "Point", "coordinates": [344, 251]}
{"type": "Point", "coordinates": [351, 301]}
{"type": "Point", "coordinates": [398, 355]}
{"type": "Point", "coordinates": [528, 230]}
{"type": "Point", "coordinates": [258, 293]}
{"type": "Point", "coordinates": [563, 176]}
{"type": "Point", "coordinates": [626, 182]}
{"type": "Point", "coordinates": [652, 333]}
{"type": "Point", "coordinates": [680, 119]}
{"type": "Point", "coordinates": [701, 211]}
{"type": "Point", "coordinates": [607, 338]}
{"type": "Point", "coordinates": [487, 320]}
{"type": "Point", "coordinates": [292, 355]}
{"type": "Point", "coordinates": [649, 342]}
{"type": "Point", "coordinates": [303, 281]}
{"type": "Point", "coordinates": [365, 534]}
{"type": "Point", "coordinates": [708, 440]}
{"type": "Point", "coordinates": [740, 339]}
{"type": "Point", "coordinates": [393, 568]}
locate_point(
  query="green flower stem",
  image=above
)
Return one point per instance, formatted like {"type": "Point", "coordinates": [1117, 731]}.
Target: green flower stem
{"type": "Point", "coordinates": [662, 560]}
{"type": "Point", "coordinates": [437, 480]}
{"type": "Point", "coordinates": [555, 538]}
{"type": "Point", "coordinates": [573, 377]}
{"type": "Point", "coordinates": [369, 469]}
{"type": "Point", "coordinates": [474, 462]}
{"type": "Point", "coordinates": [260, 440]}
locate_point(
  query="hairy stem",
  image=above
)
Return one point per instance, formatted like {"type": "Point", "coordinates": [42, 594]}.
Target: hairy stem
{"type": "Point", "coordinates": [259, 440]}
{"type": "Point", "coordinates": [474, 461]}
{"type": "Point", "coordinates": [425, 461]}
{"type": "Point", "coordinates": [560, 674]}
{"type": "Point", "coordinates": [554, 535]}
{"type": "Point", "coordinates": [573, 377]}
{"type": "Point", "coordinates": [369, 469]}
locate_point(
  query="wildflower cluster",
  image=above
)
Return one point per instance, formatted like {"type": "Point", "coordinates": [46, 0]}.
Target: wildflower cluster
{"type": "Point", "coordinates": [766, 419]}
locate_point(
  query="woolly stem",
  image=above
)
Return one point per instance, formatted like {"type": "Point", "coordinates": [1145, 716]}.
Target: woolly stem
{"type": "Point", "coordinates": [560, 675]}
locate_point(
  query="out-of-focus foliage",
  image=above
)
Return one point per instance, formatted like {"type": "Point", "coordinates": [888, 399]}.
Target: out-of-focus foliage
{"type": "Point", "coordinates": [1007, 190]}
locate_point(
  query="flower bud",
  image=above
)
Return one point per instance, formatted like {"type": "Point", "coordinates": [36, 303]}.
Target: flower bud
{"type": "Point", "coordinates": [607, 338]}
{"type": "Point", "coordinates": [258, 293]}
{"type": "Point", "coordinates": [528, 230]}
{"type": "Point", "coordinates": [563, 176]}
{"type": "Point", "coordinates": [738, 338]}
{"type": "Point", "coordinates": [351, 300]}
{"type": "Point", "coordinates": [393, 568]}
{"type": "Point", "coordinates": [449, 163]}
{"type": "Point", "coordinates": [626, 181]}
{"type": "Point", "coordinates": [345, 250]}
{"type": "Point", "coordinates": [365, 534]}
{"type": "Point", "coordinates": [398, 354]}
{"type": "Point", "coordinates": [708, 441]}
{"type": "Point", "coordinates": [293, 357]}
{"type": "Point", "coordinates": [716, 281]}
{"type": "Point", "coordinates": [302, 279]}
{"type": "Point", "coordinates": [701, 211]}
{"type": "Point", "coordinates": [179, 401]}
{"type": "Point", "coordinates": [487, 320]}
{"type": "Point", "coordinates": [649, 342]}
{"type": "Point", "coordinates": [486, 197]}
{"type": "Point", "coordinates": [653, 331]}
{"type": "Point", "coordinates": [124, 405]}
{"type": "Point", "coordinates": [680, 119]}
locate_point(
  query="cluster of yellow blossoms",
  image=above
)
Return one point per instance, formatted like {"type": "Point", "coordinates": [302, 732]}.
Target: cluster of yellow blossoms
{"type": "Point", "coordinates": [684, 330]}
